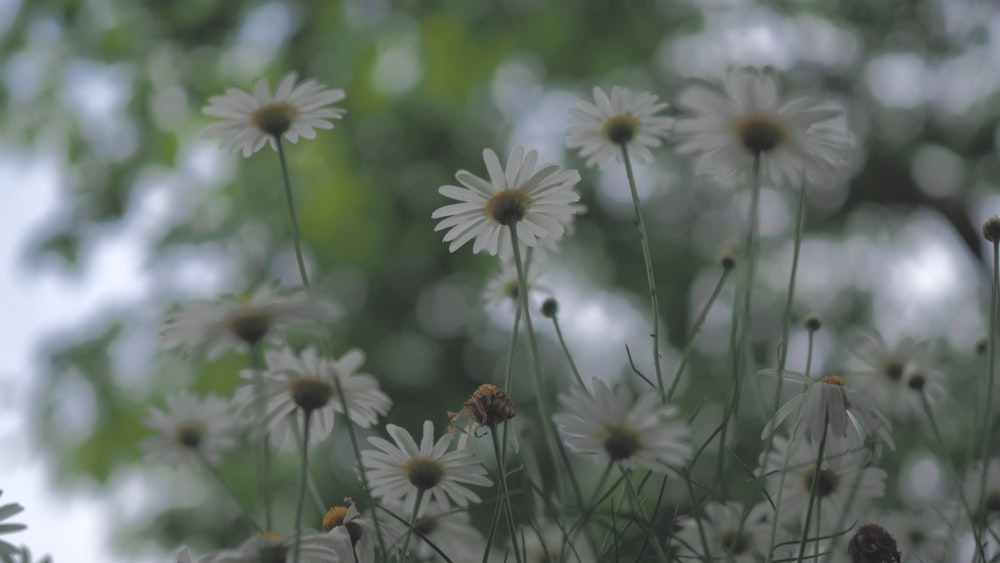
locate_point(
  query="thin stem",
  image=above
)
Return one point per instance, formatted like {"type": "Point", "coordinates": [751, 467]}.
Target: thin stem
{"type": "Point", "coordinates": [303, 476]}
{"type": "Point", "coordinates": [555, 447]}
{"type": "Point", "coordinates": [296, 235]}
{"type": "Point", "coordinates": [565, 349]}
{"type": "Point", "coordinates": [498, 451]}
{"type": "Point", "coordinates": [634, 495]}
{"type": "Point", "coordinates": [310, 482]}
{"type": "Point", "coordinates": [413, 524]}
{"type": "Point", "coordinates": [814, 488]}
{"type": "Point", "coordinates": [648, 260]}
{"type": "Point", "coordinates": [746, 365]}
{"type": "Point", "coordinates": [263, 446]}
{"type": "Point", "coordinates": [511, 349]}
{"type": "Point", "coordinates": [990, 373]}
{"type": "Point", "coordinates": [225, 486]}
{"type": "Point", "coordinates": [694, 332]}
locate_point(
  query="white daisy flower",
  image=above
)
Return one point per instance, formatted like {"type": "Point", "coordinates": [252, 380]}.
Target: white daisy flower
{"type": "Point", "coordinates": [6, 511]}
{"type": "Point", "coordinates": [976, 496]}
{"type": "Point", "coordinates": [294, 111]}
{"type": "Point", "coordinates": [614, 427]}
{"type": "Point", "coordinates": [294, 383]}
{"type": "Point", "coordinates": [398, 472]}
{"type": "Point", "coordinates": [268, 547]}
{"type": "Point", "coordinates": [726, 131]}
{"type": "Point", "coordinates": [215, 326]}
{"type": "Point", "coordinates": [728, 532]}
{"type": "Point", "coordinates": [190, 428]}
{"type": "Point", "coordinates": [851, 415]}
{"type": "Point", "coordinates": [920, 536]}
{"type": "Point", "coordinates": [845, 481]}
{"type": "Point", "coordinates": [609, 123]}
{"type": "Point", "coordinates": [539, 202]}
{"type": "Point", "coordinates": [504, 286]}
{"type": "Point", "coordinates": [894, 376]}
{"type": "Point", "coordinates": [353, 536]}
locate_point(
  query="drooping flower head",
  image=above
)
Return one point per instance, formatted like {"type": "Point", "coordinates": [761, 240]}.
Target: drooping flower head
{"type": "Point", "coordinates": [399, 470]}
{"type": "Point", "coordinates": [539, 202]}
{"type": "Point", "coordinates": [725, 131]}
{"type": "Point", "coordinates": [190, 428]}
{"type": "Point", "coordinates": [296, 383]}
{"type": "Point", "coordinates": [614, 427]}
{"type": "Point", "coordinates": [250, 120]}
{"type": "Point", "coordinates": [622, 119]}
{"type": "Point", "coordinates": [352, 534]}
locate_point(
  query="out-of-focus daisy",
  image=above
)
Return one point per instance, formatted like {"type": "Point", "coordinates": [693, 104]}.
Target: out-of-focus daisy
{"type": "Point", "coordinates": [622, 119]}
{"type": "Point", "coordinates": [295, 383]}
{"type": "Point", "coordinates": [6, 511]}
{"type": "Point", "coordinates": [190, 428]}
{"type": "Point", "coordinates": [504, 286]}
{"type": "Point", "coordinates": [614, 427]}
{"type": "Point", "coordinates": [726, 131]}
{"type": "Point", "coordinates": [539, 201]}
{"type": "Point", "coordinates": [549, 543]}
{"type": "Point", "coordinates": [894, 376]}
{"type": "Point", "coordinates": [399, 471]}
{"type": "Point", "coordinates": [215, 326]}
{"type": "Point", "coordinates": [828, 401]}
{"type": "Point", "coordinates": [987, 500]}
{"type": "Point", "coordinates": [447, 529]}
{"type": "Point", "coordinates": [921, 536]}
{"type": "Point", "coordinates": [294, 111]}
{"type": "Point", "coordinates": [268, 547]}
{"type": "Point", "coordinates": [845, 480]}
{"type": "Point", "coordinates": [728, 533]}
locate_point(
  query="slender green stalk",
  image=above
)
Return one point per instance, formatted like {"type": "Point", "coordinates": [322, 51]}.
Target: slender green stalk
{"type": "Point", "coordinates": [303, 476]}
{"type": "Point", "coordinates": [504, 496]}
{"type": "Point", "coordinates": [263, 446]}
{"type": "Point", "coordinates": [510, 351]}
{"type": "Point", "coordinates": [988, 418]}
{"type": "Point", "coordinates": [296, 235]}
{"type": "Point", "coordinates": [694, 332]}
{"type": "Point", "coordinates": [551, 440]}
{"type": "Point", "coordinates": [413, 524]}
{"type": "Point", "coordinates": [648, 260]}
{"type": "Point", "coordinates": [943, 454]}
{"type": "Point", "coordinates": [565, 349]}
{"type": "Point", "coordinates": [355, 445]}
{"type": "Point", "coordinates": [640, 512]}
{"type": "Point", "coordinates": [225, 486]}
{"type": "Point", "coordinates": [814, 488]}
{"type": "Point", "coordinates": [310, 482]}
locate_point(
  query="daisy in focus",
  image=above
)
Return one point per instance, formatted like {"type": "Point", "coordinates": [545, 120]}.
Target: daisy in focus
{"type": "Point", "coordinates": [250, 120]}
{"type": "Point", "coordinates": [894, 376]}
{"type": "Point", "coordinates": [400, 471]}
{"type": "Point", "coordinates": [6, 511]}
{"type": "Point", "coordinates": [613, 427]}
{"type": "Point", "coordinates": [296, 383]}
{"type": "Point", "coordinates": [268, 547]}
{"type": "Point", "coordinates": [213, 327]}
{"type": "Point", "coordinates": [726, 131]}
{"type": "Point", "coordinates": [845, 481]}
{"type": "Point", "coordinates": [827, 406]}
{"type": "Point", "coordinates": [609, 123]}
{"type": "Point", "coordinates": [190, 429]}
{"type": "Point", "coordinates": [537, 203]}
{"type": "Point", "coordinates": [729, 533]}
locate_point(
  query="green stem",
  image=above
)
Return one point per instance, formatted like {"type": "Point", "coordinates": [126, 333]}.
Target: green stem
{"type": "Point", "coordinates": [634, 495]}
{"type": "Point", "coordinates": [225, 486]}
{"type": "Point", "coordinates": [689, 347]}
{"type": "Point", "coordinates": [303, 476]}
{"type": "Point", "coordinates": [310, 482]}
{"type": "Point", "coordinates": [814, 488]}
{"type": "Point", "coordinates": [988, 418]}
{"type": "Point", "coordinates": [511, 349]}
{"type": "Point", "coordinates": [263, 446]}
{"type": "Point", "coordinates": [498, 451]}
{"type": "Point", "coordinates": [555, 447]}
{"type": "Point", "coordinates": [648, 260]}
{"type": "Point", "coordinates": [413, 524]}
{"type": "Point", "coordinates": [565, 349]}
{"type": "Point", "coordinates": [296, 235]}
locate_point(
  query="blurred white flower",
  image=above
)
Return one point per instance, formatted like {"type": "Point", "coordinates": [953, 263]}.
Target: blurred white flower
{"type": "Point", "coordinates": [729, 532]}
{"type": "Point", "coordinates": [294, 383]}
{"type": "Point", "coordinates": [920, 535]}
{"type": "Point", "coordinates": [269, 547]}
{"type": "Point", "coordinates": [608, 123]}
{"type": "Point", "coordinates": [399, 471]}
{"type": "Point", "coordinates": [539, 202]}
{"type": "Point", "coordinates": [294, 111]}
{"type": "Point", "coordinates": [987, 499]}
{"type": "Point", "coordinates": [894, 376]}
{"type": "Point", "coordinates": [727, 131]}
{"type": "Point", "coordinates": [213, 327]}
{"type": "Point", "coordinates": [189, 429]}
{"type": "Point", "coordinates": [613, 426]}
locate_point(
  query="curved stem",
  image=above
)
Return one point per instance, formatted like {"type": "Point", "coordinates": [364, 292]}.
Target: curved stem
{"type": "Point", "coordinates": [296, 235]}
{"type": "Point", "coordinates": [650, 279]}
{"type": "Point", "coordinates": [694, 332]}
{"type": "Point", "coordinates": [303, 476]}
{"type": "Point", "coordinates": [413, 524]}
{"type": "Point", "coordinates": [565, 349]}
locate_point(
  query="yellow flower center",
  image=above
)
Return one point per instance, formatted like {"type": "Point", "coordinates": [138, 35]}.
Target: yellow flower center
{"type": "Point", "coordinates": [250, 325]}
{"type": "Point", "coordinates": [758, 133]}
{"type": "Point", "coordinates": [621, 442]}
{"type": "Point", "coordinates": [827, 481]}
{"type": "Point", "coordinates": [832, 380]}
{"type": "Point", "coordinates": [274, 119]}
{"type": "Point", "coordinates": [621, 129]}
{"type": "Point", "coordinates": [310, 393]}
{"type": "Point", "coordinates": [189, 434]}
{"type": "Point", "coordinates": [423, 472]}
{"type": "Point", "coordinates": [508, 206]}
{"type": "Point", "coordinates": [334, 517]}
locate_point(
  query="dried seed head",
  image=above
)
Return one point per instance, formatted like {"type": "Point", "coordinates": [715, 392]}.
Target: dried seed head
{"type": "Point", "coordinates": [489, 405]}
{"type": "Point", "coordinates": [991, 229]}
{"type": "Point", "coordinates": [873, 544]}
{"type": "Point", "coordinates": [550, 308]}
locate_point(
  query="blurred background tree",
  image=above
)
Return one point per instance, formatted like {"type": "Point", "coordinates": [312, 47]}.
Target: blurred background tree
{"type": "Point", "coordinates": [110, 92]}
